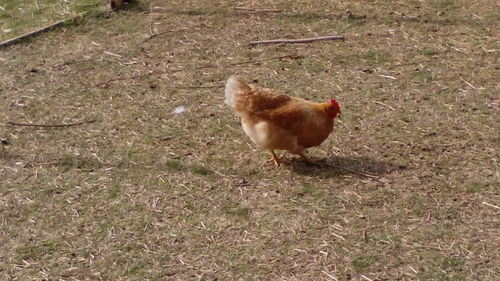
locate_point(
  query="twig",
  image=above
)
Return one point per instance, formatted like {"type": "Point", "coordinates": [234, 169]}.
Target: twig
{"type": "Point", "coordinates": [491, 205]}
{"type": "Point", "coordinates": [43, 29]}
{"type": "Point", "coordinates": [386, 105]}
{"type": "Point", "coordinates": [153, 36]}
{"type": "Point", "coordinates": [49, 125]}
{"type": "Point", "coordinates": [294, 41]}
{"type": "Point", "coordinates": [258, 10]}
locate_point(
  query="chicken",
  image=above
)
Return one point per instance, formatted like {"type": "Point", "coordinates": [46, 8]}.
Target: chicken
{"type": "Point", "coordinates": [274, 120]}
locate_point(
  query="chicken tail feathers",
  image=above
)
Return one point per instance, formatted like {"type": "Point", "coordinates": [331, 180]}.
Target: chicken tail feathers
{"type": "Point", "coordinates": [233, 87]}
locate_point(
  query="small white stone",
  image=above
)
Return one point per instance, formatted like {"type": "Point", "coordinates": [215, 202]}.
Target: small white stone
{"type": "Point", "coordinates": [180, 109]}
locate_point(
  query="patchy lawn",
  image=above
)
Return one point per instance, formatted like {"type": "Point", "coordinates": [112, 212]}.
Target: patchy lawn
{"type": "Point", "coordinates": [407, 187]}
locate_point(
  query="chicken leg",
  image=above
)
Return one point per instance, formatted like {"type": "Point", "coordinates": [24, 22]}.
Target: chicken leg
{"type": "Point", "coordinates": [275, 158]}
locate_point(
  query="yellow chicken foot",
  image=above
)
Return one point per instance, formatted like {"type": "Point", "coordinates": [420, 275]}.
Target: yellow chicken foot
{"type": "Point", "coordinates": [275, 159]}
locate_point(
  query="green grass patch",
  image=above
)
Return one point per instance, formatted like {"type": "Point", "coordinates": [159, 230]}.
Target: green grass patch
{"type": "Point", "coordinates": [201, 170]}
{"type": "Point", "coordinates": [22, 16]}
{"type": "Point", "coordinates": [361, 263]}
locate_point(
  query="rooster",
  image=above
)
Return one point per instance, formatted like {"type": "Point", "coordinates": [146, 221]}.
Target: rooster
{"type": "Point", "coordinates": [274, 120]}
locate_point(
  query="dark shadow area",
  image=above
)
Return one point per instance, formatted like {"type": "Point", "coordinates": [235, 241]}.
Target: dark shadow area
{"type": "Point", "coordinates": [341, 165]}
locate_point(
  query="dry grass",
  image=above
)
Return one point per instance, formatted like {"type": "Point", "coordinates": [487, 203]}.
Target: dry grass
{"type": "Point", "coordinates": [18, 17]}
{"type": "Point", "coordinates": [143, 193]}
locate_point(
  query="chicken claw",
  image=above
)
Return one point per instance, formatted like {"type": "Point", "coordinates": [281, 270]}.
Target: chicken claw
{"type": "Point", "coordinates": [275, 159]}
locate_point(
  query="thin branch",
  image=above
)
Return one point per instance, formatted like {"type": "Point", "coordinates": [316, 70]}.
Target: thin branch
{"type": "Point", "coordinates": [294, 41]}
{"type": "Point", "coordinates": [151, 37]}
{"type": "Point", "coordinates": [43, 29]}
{"type": "Point", "coordinates": [257, 10]}
{"type": "Point", "coordinates": [49, 125]}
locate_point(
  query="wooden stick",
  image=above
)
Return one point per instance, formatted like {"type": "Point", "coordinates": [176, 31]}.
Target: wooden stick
{"type": "Point", "coordinates": [294, 41]}
{"type": "Point", "coordinates": [49, 126]}
{"type": "Point", "coordinates": [43, 29]}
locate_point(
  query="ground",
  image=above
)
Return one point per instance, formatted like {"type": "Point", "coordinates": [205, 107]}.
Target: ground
{"type": "Point", "coordinates": [406, 188]}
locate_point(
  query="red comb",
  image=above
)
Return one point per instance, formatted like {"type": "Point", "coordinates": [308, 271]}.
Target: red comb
{"type": "Point", "coordinates": [336, 107]}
